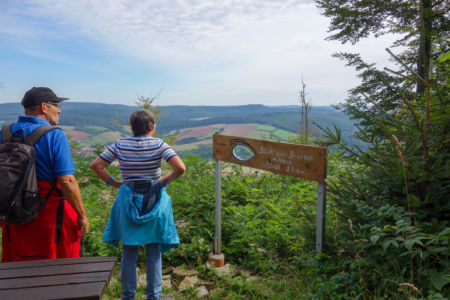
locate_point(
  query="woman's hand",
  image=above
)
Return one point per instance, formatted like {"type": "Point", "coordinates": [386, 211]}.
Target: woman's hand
{"type": "Point", "coordinates": [99, 167]}
{"type": "Point", "coordinates": [116, 183]}
{"type": "Point", "coordinates": [178, 168]}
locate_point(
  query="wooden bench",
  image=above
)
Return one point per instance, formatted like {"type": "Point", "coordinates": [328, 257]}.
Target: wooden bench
{"type": "Point", "coordinates": [62, 278]}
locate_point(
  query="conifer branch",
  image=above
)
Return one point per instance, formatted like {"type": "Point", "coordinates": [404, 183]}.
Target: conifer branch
{"type": "Point", "coordinates": [336, 139]}
{"type": "Point", "coordinates": [396, 73]}
{"type": "Point", "coordinates": [404, 65]}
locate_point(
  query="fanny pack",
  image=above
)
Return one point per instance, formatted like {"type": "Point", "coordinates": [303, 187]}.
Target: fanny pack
{"type": "Point", "coordinates": [145, 194]}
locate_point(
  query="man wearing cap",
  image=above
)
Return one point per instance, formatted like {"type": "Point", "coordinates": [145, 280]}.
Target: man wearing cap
{"type": "Point", "coordinates": [56, 232]}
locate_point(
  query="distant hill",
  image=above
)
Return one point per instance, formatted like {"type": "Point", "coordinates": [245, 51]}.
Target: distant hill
{"type": "Point", "coordinates": [283, 117]}
{"type": "Point", "coordinates": [102, 123]}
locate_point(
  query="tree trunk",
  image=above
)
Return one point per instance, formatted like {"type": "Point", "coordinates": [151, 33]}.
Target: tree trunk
{"type": "Point", "coordinates": [423, 60]}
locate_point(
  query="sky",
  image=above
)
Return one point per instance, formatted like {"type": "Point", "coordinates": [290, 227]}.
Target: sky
{"type": "Point", "coordinates": [186, 52]}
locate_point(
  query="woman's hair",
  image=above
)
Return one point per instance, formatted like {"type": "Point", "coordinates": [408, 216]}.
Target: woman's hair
{"type": "Point", "coordinates": [140, 121]}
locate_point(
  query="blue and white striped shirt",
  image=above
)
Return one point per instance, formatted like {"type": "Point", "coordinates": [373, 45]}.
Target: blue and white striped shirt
{"type": "Point", "coordinates": [139, 157]}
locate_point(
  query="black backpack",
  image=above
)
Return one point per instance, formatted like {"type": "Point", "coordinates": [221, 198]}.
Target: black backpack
{"type": "Point", "coordinates": [20, 202]}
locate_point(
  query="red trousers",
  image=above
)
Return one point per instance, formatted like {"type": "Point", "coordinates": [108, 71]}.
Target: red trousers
{"type": "Point", "coordinates": [38, 238]}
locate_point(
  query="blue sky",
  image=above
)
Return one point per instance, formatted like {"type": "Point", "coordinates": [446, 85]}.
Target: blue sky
{"type": "Point", "coordinates": [205, 52]}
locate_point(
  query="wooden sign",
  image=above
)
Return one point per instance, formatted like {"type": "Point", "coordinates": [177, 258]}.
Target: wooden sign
{"type": "Point", "coordinates": [307, 162]}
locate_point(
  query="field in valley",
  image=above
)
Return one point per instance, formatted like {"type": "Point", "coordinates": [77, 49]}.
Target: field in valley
{"type": "Point", "coordinates": [194, 140]}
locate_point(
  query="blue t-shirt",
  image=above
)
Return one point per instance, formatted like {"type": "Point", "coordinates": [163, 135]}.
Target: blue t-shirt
{"type": "Point", "coordinates": [53, 157]}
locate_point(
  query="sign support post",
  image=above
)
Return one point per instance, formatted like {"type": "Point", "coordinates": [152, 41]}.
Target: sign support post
{"type": "Point", "coordinates": [321, 213]}
{"type": "Point", "coordinates": [217, 257]}
{"type": "Point", "coordinates": [218, 232]}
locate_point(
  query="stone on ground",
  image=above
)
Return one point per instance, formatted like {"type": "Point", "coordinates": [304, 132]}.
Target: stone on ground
{"type": "Point", "coordinates": [187, 283]}
{"type": "Point", "coordinates": [181, 272]}
{"type": "Point", "coordinates": [202, 292]}
{"type": "Point", "coordinates": [167, 283]}
{"type": "Point", "coordinates": [208, 284]}
{"type": "Point", "coordinates": [167, 271]}
{"type": "Point", "coordinates": [226, 270]}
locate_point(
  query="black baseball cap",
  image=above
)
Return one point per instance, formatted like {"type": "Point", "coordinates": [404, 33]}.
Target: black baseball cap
{"type": "Point", "coordinates": [37, 95]}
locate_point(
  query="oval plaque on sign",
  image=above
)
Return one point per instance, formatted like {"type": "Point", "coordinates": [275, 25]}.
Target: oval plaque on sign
{"type": "Point", "coordinates": [242, 152]}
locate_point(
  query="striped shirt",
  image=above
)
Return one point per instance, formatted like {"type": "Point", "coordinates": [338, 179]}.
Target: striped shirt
{"type": "Point", "coordinates": [140, 157]}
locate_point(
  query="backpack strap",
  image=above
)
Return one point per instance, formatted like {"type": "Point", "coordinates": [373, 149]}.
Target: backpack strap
{"type": "Point", "coordinates": [59, 220]}
{"type": "Point", "coordinates": [31, 139]}
{"type": "Point", "coordinates": [6, 133]}
{"type": "Point", "coordinates": [34, 137]}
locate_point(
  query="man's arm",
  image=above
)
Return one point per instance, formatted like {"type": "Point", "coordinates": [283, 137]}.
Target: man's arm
{"type": "Point", "coordinates": [178, 168]}
{"type": "Point", "coordinates": [71, 191]}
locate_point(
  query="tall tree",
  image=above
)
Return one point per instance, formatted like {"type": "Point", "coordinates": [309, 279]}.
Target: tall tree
{"type": "Point", "coordinates": [396, 187]}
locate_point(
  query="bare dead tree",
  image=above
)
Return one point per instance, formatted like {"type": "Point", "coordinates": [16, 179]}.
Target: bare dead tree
{"type": "Point", "coordinates": [305, 108]}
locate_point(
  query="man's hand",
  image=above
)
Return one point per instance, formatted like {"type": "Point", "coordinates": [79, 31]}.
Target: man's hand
{"type": "Point", "coordinates": [83, 224]}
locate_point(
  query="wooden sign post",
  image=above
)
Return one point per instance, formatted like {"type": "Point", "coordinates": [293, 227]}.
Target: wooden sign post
{"type": "Point", "coordinates": [306, 162]}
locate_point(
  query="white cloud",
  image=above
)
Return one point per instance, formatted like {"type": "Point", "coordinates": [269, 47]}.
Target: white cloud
{"type": "Point", "coordinates": [248, 51]}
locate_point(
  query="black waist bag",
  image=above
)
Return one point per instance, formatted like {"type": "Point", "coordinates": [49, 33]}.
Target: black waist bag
{"type": "Point", "coordinates": [150, 191]}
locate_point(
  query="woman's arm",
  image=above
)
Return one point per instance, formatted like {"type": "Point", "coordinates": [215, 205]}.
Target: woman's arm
{"type": "Point", "coordinates": [178, 169]}
{"type": "Point", "coordinates": [99, 167]}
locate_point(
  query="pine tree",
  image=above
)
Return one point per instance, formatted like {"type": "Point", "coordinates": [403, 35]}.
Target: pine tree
{"type": "Point", "coordinates": [392, 204]}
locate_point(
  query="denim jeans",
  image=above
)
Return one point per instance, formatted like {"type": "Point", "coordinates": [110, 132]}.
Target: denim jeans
{"type": "Point", "coordinates": [128, 271]}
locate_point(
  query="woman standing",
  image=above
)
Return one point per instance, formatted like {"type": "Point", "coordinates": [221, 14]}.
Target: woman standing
{"type": "Point", "coordinates": [142, 211]}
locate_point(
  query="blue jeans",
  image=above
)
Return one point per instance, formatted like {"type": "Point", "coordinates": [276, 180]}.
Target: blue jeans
{"type": "Point", "coordinates": [128, 271]}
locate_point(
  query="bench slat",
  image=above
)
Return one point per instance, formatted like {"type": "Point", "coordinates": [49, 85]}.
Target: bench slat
{"type": "Point", "coordinates": [56, 270]}
{"type": "Point", "coordinates": [42, 281]}
{"type": "Point", "coordinates": [54, 262]}
{"type": "Point", "coordinates": [86, 291]}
